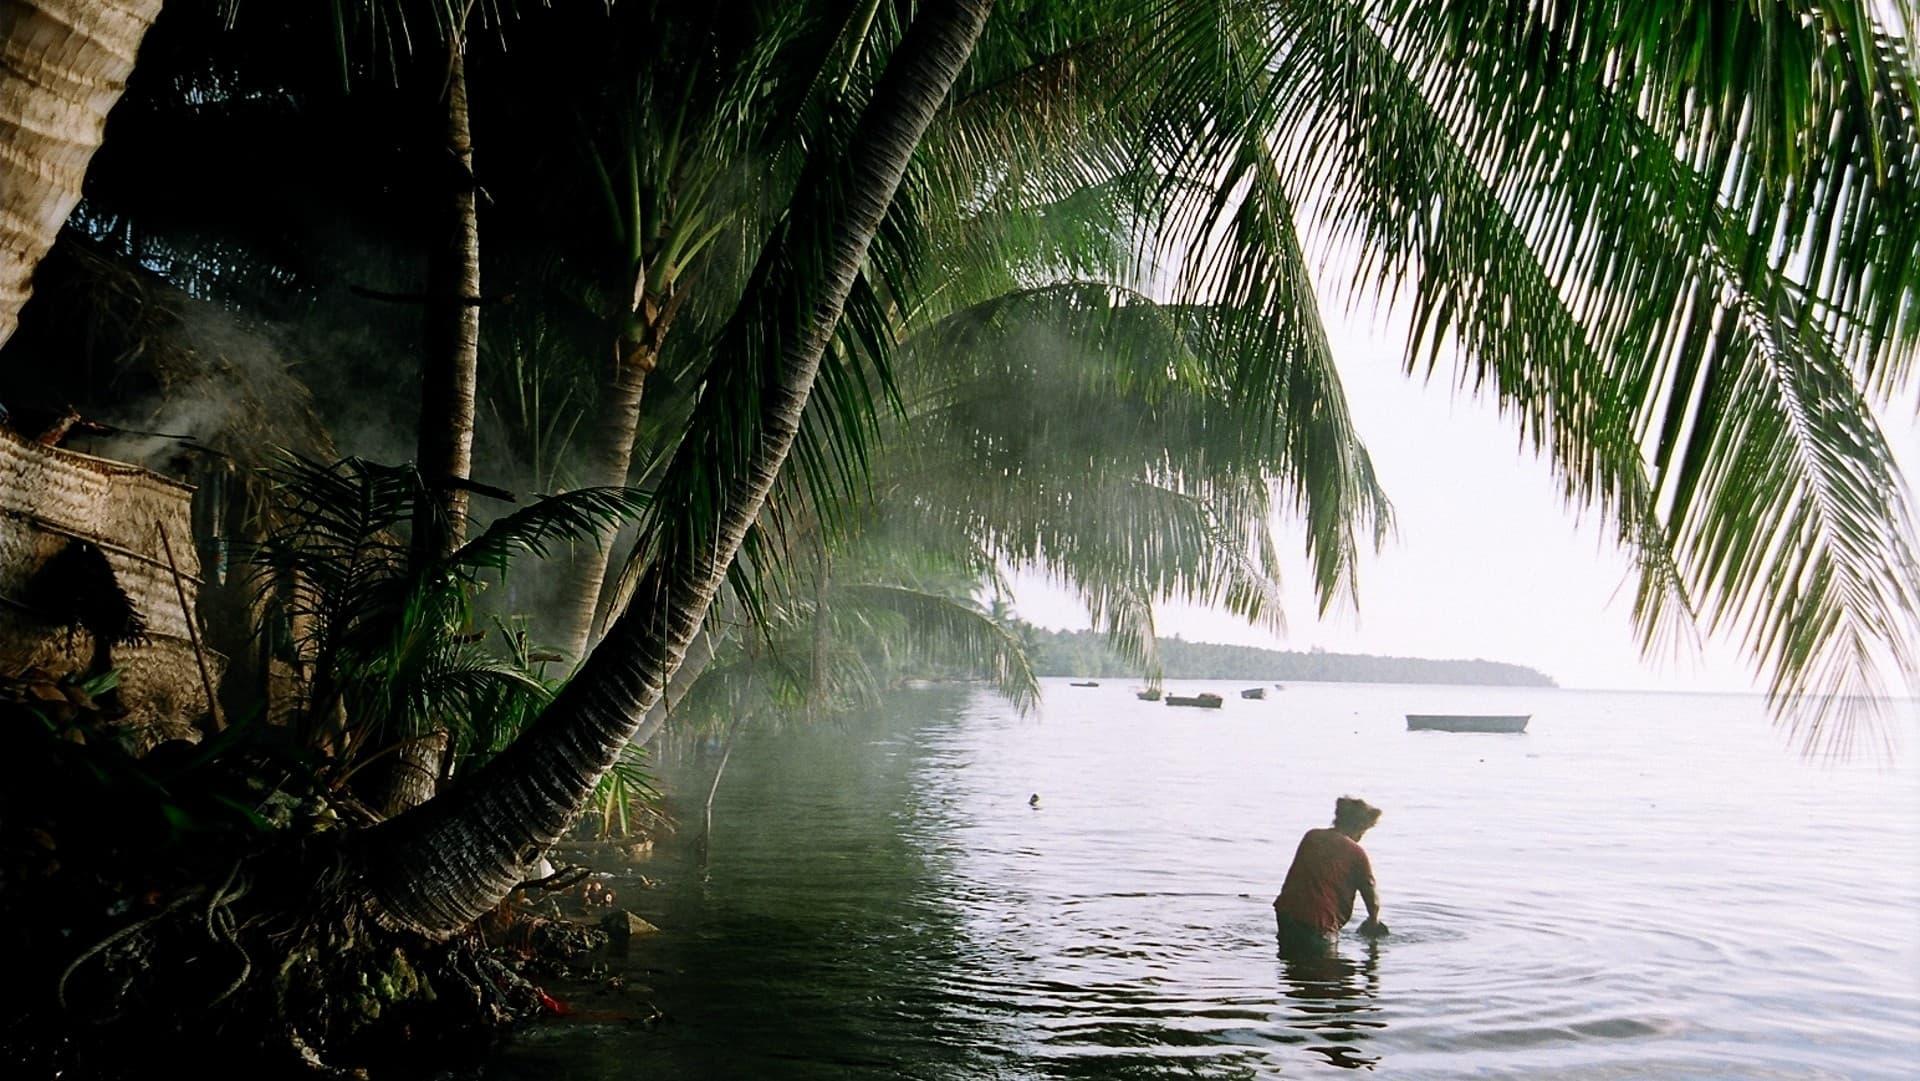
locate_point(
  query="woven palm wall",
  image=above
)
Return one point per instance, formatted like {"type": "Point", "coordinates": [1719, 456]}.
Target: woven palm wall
{"type": "Point", "coordinates": [51, 498]}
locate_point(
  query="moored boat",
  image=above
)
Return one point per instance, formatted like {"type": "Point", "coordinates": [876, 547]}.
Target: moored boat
{"type": "Point", "coordinates": [1254, 692]}
{"type": "Point", "coordinates": [1466, 722]}
{"type": "Point", "coordinates": [1148, 695]}
{"type": "Point", "coordinates": [1089, 683]}
{"type": "Point", "coordinates": [1203, 700]}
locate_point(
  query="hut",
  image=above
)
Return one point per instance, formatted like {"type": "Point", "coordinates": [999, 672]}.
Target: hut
{"type": "Point", "coordinates": [64, 513]}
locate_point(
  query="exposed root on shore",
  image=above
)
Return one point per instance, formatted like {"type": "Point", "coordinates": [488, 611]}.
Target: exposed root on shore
{"type": "Point", "coordinates": [274, 966]}
{"type": "Point", "coordinates": [249, 952]}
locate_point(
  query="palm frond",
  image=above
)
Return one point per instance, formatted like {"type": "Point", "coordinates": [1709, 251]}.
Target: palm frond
{"type": "Point", "coordinates": [1639, 310]}
{"type": "Point", "coordinates": [584, 514]}
{"type": "Point", "coordinates": [941, 628]}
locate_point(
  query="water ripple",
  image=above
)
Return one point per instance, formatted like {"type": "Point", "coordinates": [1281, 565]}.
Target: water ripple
{"type": "Point", "coordinates": [1642, 886]}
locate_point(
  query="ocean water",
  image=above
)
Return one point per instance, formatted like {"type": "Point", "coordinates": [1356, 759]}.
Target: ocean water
{"type": "Point", "coordinates": [1641, 885]}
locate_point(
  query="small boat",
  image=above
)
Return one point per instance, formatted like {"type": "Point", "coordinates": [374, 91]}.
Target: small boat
{"type": "Point", "coordinates": [1088, 683]}
{"type": "Point", "coordinates": [1147, 696]}
{"type": "Point", "coordinates": [1254, 692]}
{"type": "Point", "coordinates": [1202, 700]}
{"type": "Point", "coordinates": [1279, 686]}
{"type": "Point", "coordinates": [1466, 722]}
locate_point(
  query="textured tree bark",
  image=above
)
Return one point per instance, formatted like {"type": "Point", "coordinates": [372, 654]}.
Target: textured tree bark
{"type": "Point", "coordinates": [449, 372]}
{"type": "Point", "coordinates": [608, 463]}
{"type": "Point", "coordinates": [437, 868]}
{"type": "Point", "coordinates": [698, 655]}
{"type": "Point", "coordinates": [63, 64]}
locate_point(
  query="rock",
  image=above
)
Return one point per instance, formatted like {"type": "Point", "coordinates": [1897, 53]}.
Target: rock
{"type": "Point", "coordinates": [621, 926]}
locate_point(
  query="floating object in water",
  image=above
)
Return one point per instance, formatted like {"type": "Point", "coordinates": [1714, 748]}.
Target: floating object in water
{"type": "Point", "coordinates": [622, 926]}
{"type": "Point", "coordinates": [1088, 683]}
{"type": "Point", "coordinates": [1033, 801]}
{"type": "Point", "coordinates": [1204, 700]}
{"type": "Point", "coordinates": [1254, 692]}
{"type": "Point", "coordinates": [1466, 722]}
{"type": "Point", "coordinates": [1147, 695]}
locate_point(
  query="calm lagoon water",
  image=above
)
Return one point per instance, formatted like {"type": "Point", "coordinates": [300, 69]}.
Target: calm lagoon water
{"type": "Point", "coordinates": [1639, 886]}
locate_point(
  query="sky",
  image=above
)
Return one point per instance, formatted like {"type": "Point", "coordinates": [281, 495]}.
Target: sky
{"type": "Point", "coordinates": [1486, 562]}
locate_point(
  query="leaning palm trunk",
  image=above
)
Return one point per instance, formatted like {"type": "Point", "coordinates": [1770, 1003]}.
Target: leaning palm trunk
{"type": "Point", "coordinates": [63, 64]}
{"type": "Point", "coordinates": [434, 870]}
{"type": "Point", "coordinates": [449, 372]}
{"type": "Point", "coordinates": [608, 464]}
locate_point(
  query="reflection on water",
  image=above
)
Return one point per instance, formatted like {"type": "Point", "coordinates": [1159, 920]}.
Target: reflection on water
{"type": "Point", "coordinates": [1332, 1002]}
{"type": "Point", "coordinates": [1641, 886]}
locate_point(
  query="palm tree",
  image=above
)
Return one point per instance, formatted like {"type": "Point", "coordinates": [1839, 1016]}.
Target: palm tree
{"type": "Point", "coordinates": [385, 642]}
{"type": "Point", "coordinates": [1687, 277]}
{"type": "Point", "coordinates": [449, 366]}
{"type": "Point", "coordinates": [437, 868]}
{"type": "Point", "coordinates": [1686, 274]}
{"type": "Point", "coordinates": [63, 64]}
{"type": "Point", "coordinates": [673, 176]}
{"type": "Point", "coordinates": [1709, 275]}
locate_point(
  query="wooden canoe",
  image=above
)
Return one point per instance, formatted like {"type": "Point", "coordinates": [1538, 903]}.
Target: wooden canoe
{"type": "Point", "coordinates": [1466, 722]}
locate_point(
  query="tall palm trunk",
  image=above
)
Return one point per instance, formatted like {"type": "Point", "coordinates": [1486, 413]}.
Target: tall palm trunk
{"type": "Point", "coordinates": [63, 64]}
{"type": "Point", "coordinates": [449, 371]}
{"type": "Point", "coordinates": [608, 462]}
{"type": "Point", "coordinates": [436, 869]}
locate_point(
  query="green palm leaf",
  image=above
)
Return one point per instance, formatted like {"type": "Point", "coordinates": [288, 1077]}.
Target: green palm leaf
{"type": "Point", "coordinates": [579, 515]}
{"type": "Point", "coordinates": [942, 628]}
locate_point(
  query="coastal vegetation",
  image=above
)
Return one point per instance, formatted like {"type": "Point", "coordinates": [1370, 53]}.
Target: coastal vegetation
{"type": "Point", "coordinates": [815, 320]}
{"type": "Point", "coordinates": [1086, 653]}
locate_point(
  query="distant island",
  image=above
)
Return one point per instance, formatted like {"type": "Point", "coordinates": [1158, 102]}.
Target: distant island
{"type": "Point", "coordinates": [1085, 653]}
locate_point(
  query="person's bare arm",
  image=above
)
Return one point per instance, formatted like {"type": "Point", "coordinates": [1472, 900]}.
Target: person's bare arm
{"type": "Point", "coordinates": [1371, 896]}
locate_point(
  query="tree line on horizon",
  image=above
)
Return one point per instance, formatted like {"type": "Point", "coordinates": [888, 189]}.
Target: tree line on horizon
{"type": "Point", "coordinates": [1087, 653]}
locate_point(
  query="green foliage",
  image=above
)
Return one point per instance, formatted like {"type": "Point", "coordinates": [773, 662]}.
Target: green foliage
{"type": "Point", "coordinates": [1680, 269]}
{"type": "Point", "coordinates": [625, 799]}
{"type": "Point", "coordinates": [1676, 244]}
{"type": "Point", "coordinates": [834, 640]}
{"type": "Point", "coordinates": [930, 628]}
{"type": "Point", "coordinates": [384, 638]}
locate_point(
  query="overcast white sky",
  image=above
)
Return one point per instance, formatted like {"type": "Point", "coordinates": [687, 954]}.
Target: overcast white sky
{"type": "Point", "coordinates": [1487, 561]}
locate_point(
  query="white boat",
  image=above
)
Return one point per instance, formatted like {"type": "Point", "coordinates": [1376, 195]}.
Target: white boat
{"type": "Point", "coordinates": [1467, 722]}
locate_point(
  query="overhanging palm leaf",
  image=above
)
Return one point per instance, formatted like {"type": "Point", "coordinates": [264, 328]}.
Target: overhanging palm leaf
{"type": "Point", "coordinates": [940, 628]}
{"type": "Point", "coordinates": [584, 514]}
{"type": "Point", "coordinates": [1096, 431]}
{"type": "Point", "coordinates": [1652, 316]}
{"type": "Point", "coordinates": [1600, 217]}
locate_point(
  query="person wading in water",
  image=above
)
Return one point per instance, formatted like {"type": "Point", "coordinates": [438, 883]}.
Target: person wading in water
{"type": "Point", "coordinates": [1328, 869]}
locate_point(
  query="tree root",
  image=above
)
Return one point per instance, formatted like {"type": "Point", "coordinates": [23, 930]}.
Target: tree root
{"type": "Point", "coordinates": [66, 975]}
{"type": "Point", "coordinates": [341, 990]}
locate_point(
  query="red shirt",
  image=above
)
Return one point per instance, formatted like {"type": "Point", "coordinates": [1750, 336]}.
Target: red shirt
{"type": "Point", "coordinates": [1327, 870]}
